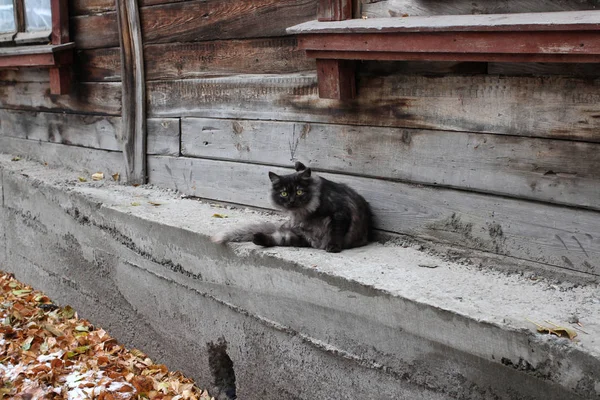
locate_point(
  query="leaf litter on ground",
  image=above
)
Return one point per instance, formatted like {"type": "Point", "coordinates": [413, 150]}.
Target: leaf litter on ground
{"type": "Point", "coordinates": [47, 352]}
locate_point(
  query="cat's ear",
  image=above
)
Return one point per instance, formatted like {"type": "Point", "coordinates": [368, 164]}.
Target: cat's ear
{"type": "Point", "coordinates": [298, 166]}
{"type": "Point", "coordinates": [305, 174]}
{"type": "Point", "coordinates": [274, 177]}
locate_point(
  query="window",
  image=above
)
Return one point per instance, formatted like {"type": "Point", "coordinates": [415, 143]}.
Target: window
{"type": "Point", "coordinates": [25, 21]}
{"type": "Point", "coordinates": [35, 33]}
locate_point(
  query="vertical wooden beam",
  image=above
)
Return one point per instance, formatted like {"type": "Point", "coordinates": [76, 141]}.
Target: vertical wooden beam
{"type": "Point", "coordinates": [334, 10]}
{"type": "Point", "coordinates": [336, 77]}
{"type": "Point", "coordinates": [133, 134]}
{"type": "Point", "coordinates": [60, 77]}
{"type": "Point", "coordinates": [19, 15]}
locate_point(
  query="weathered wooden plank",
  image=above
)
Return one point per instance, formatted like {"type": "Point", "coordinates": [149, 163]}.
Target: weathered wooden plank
{"type": "Point", "coordinates": [554, 171]}
{"type": "Point", "coordinates": [200, 59]}
{"type": "Point", "coordinates": [85, 7]}
{"type": "Point", "coordinates": [399, 8]}
{"type": "Point", "coordinates": [133, 129]}
{"type": "Point", "coordinates": [198, 20]}
{"type": "Point", "coordinates": [95, 31]}
{"type": "Point", "coordinates": [98, 65]}
{"type": "Point", "coordinates": [551, 107]}
{"type": "Point", "coordinates": [94, 131]}
{"type": "Point", "coordinates": [90, 98]}
{"type": "Point", "coordinates": [251, 56]}
{"type": "Point", "coordinates": [519, 22]}
{"type": "Point", "coordinates": [9, 76]}
{"type": "Point", "coordinates": [334, 10]}
{"type": "Point", "coordinates": [521, 69]}
{"type": "Point", "coordinates": [80, 159]}
{"type": "Point", "coordinates": [558, 236]}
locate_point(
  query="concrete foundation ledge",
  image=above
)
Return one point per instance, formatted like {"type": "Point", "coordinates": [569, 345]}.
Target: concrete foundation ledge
{"type": "Point", "coordinates": [381, 322]}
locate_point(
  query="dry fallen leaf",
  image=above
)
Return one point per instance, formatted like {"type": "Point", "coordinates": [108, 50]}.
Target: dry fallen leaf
{"type": "Point", "coordinates": [17, 158]}
{"type": "Point", "coordinates": [82, 179]}
{"type": "Point", "coordinates": [116, 176]}
{"type": "Point", "coordinates": [155, 204]}
{"type": "Point", "coordinates": [219, 216]}
{"type": "Point", "coordinates": [49, 353]}
{"type": "Point", "coordinates": [135, 204]}
{"type": "Point", "coordinates": [98, 176]}
{"type": "Point", "coordinates": [555, 329]}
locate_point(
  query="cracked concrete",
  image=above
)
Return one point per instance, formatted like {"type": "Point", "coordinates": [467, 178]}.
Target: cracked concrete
{"type": "Point", "coordinates": [299, 323]}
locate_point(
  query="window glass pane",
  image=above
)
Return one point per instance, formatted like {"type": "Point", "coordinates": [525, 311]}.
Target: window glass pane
{"type": "Point", "coordinates": [37, 15]}
{"type": "Point", "coordinates": [7, 16]}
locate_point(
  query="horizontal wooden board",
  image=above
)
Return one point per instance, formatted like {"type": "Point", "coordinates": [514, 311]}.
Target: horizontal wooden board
{"type": "Point", "coordinates": [83, 7]}
{"type": "Point", "coordinates": [551, 107]}
{"type": "Point", "coordinates": [95, 31]}
{"type": "Point", "coordinates": [81, 159]}
{"type": "Point", "coordinates": [198, 20]}
{"type": "Point", "coordinates": [100, 132]}
{"type": "Point", "coordinates": [201, 59]}
{"type": "Point", "coordinates": [8, 75]}
{"type": "Point", "coordinates": [540, 169]}
{"type": "Point", "coordinates": [399, 8]}
{"type": "Point", "coordinates": [558, 236]}
{"type": "Point", "coordinates": [90, 98]}
{"type": "Point", "coordinates": [225, 57]}
{"type": "Point", "coordinates": [98, 65]}
{"type": "Point", "coordinates": [521, 69]}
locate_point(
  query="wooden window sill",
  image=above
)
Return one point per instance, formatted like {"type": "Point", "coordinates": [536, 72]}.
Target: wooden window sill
{"type": "Point", "coordinates": [55, 57]}
{"type": "Point", "coordinates": [570, 36]}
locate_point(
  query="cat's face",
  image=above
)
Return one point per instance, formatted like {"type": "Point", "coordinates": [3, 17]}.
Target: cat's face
{"type": "Point", "coordinates": [291, 191]}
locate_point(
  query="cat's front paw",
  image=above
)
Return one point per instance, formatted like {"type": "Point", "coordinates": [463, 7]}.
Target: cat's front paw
{"type": "Point", "coordinates": [260, 239]}
{"type": "Point", "coordinates": [333, 248]}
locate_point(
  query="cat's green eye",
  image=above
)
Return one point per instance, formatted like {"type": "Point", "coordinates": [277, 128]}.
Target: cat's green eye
{"type": "Point", "coordinates": [284, 194]}
{"type": "Point", "coordinates": [299, 192]}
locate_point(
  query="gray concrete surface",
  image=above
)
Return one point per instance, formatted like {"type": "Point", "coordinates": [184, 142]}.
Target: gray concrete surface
{"type": "Point", "coordinates": [387, 321]}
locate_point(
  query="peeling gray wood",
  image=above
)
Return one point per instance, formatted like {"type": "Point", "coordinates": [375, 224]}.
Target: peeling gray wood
{"type": "Point", "coordinates": [80, 159]}
{"type": "Point", "coordinates": [398, 8]}
{"type": "Point", "coordinates": [133, 127]}
{"type": "Point", "coordinates": [555, 171]}
{"type": "Point", "coordinates": [93, 131]}
{"type": "Point", "coordinates": [551, 107]}
{"type": "Point", "coordinates": [557, 236]}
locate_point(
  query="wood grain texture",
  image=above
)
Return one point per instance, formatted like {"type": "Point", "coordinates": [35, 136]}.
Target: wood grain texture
{"type": "Point", "coordinates": [93, 131]}
{"type": "Point", "coordinates": [133, 129]}
{"type": "Point", "coordinates": [557, 236]}
{"type": "Point", "coordinates": [198, 20]}
{"type": "Point", "coordinates": [334, 10]}
{"type": "Point", "coordinates": [551, 107]}
{"type": "Point", "coordinates": [539, 169]}
{"type": "Point", "coordinates": [201, 59]}
{"type": "Point", "coordinates": [95, 31]}
{"type": "Point", "coordinates": [83, 160]}
{"type": "Point", "coordinates": [98, 65]}
{"type": "Point", "coordinates": [13, 75]}
{"type": "Point", "coordinates": [86, 7]}
{"type": "Point", "coordinates": [525, 69]}
{"type": "Point", "coordinates": [398, 8]}
{"type": "Point", "coordinates": [337, 79]}
{"type": "Point", "coordinates": [90, 98]}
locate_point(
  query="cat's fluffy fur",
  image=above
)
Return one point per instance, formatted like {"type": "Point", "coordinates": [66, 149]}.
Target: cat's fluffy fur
{"type": "Point", "coordinates": [323, 215]}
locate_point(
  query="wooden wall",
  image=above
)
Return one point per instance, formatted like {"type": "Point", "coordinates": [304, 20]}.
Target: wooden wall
{"type": "Point", "coordinates": [502, 158]}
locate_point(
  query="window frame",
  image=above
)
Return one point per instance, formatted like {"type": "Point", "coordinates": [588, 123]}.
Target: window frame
{"type": "Point", "coordinates": [20, 36]}
{"type": "Point", "coordinates": [57, 56]}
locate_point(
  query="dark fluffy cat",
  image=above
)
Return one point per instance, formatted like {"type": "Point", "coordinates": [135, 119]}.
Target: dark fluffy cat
{"type": "Point", "coordinates": [323, 214]}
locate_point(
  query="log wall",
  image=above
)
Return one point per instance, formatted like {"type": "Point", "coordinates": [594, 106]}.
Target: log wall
{"type": "Point", "coordinates": [500, 158]}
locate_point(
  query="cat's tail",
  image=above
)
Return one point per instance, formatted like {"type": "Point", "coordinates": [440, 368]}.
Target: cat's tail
{"type": "Point", "coordinates": [245, 233]}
